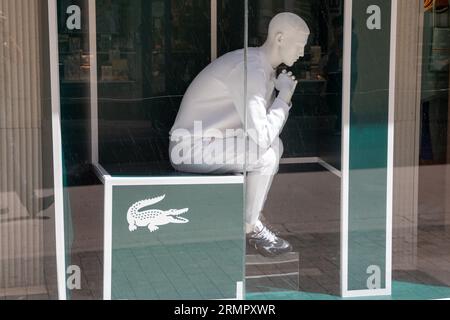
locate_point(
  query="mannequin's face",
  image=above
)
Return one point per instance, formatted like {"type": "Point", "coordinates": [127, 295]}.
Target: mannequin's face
{"type": "Point", "coordinates": [291, 47]}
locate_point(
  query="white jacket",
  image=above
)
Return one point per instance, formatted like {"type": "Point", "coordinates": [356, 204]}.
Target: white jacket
{"type": "Point", "coordinates": [216, 98]}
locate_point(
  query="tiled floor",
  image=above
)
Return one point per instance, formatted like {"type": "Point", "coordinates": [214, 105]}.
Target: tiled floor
{"type": "Point", "coordinates": [318, 274]}
{"type": "Point", "coordinates": [304, 206]}
{"type": "Point", "coordinates": [400, 291]}
{"type": "Point", "coordinates": [316, 238]}
{"type": "Point", "coordinates": [181, 271]}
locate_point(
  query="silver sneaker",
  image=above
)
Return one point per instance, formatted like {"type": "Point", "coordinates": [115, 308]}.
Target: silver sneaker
{"type": "Point", "coordinates": [267, 243]}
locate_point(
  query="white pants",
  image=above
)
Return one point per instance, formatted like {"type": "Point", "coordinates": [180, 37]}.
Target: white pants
{"type": "Point", "coordinates": [218, 157]}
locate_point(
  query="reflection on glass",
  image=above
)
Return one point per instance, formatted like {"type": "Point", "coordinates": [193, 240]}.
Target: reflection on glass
{"type": "Point", "coordinates": [421, 239]}
{"type": "Point", "coordinates": [27, 214]}
{"type": "Point", "coordinates": [147, 55]}
{"type": "Point", "coordinates": [304, 201]}
{"type": "Point", "coordinates": [167, 240]}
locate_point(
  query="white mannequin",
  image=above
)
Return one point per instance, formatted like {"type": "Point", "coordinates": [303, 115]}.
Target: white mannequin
{"type": "Point", "coordinates": [215, 100]}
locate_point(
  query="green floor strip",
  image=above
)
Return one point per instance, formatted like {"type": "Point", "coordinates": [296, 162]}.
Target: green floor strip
{"type": "Point", "coordinates": [400, 291]}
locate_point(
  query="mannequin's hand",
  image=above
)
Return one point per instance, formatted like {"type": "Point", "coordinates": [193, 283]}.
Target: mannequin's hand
{"type": "Point", "coordinates": [286, 85]}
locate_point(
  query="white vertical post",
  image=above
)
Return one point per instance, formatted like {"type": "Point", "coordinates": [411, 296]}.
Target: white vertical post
{"type": "Point", "coordinates": [391, 140]}
{"type": "Point", "coordinates": [240, 290]}
{"type": "Point", "coordinates": [346, 155]}
{"type": "Point", "coordinates": [346, 87]}
{"type": "Point", "coordinates": [107, 233]}
{"type": "Point", "coordinates": [57, 149]}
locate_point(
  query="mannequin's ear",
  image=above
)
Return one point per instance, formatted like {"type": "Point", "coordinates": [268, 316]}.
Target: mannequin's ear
{"type": "Point", "coordinates": [279, 37]}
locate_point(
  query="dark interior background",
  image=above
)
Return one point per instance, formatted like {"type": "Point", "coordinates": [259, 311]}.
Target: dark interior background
{"type": "Point", "coordinates": [148, 53]}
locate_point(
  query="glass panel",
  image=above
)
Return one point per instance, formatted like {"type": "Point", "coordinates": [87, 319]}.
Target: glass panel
{"type": "Point", "coordinates": [83, 241]}
{"type": "Point", "coordinates": [146, 215]}
{"type": "Point", "coordinates": [27, 215]}
{"type": "Point", "coordinates": [303, 203]}
{"type": "Point", "coordinates": [131, 71]}
{"type": "Point", "coordinates": [421, 233]}
{"type": "Point", "coordinates": [368, 154]}
{"type": "Point", "coordinates": [148, 52]}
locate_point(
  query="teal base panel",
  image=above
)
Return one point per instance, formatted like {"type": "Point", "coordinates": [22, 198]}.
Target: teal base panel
{"type": "Point", "coordinates": [177, 242]}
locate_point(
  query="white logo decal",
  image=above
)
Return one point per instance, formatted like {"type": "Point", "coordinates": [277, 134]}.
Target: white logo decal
{"type": "Point", "coordinates": [74, 280]}
{"type": "Point", "coordinates": [374, 281]}
{"type": "Point", "coordinates": [374, 21]}
{"type": "Point", "coordinates": [152, 219]}
{"type": "Point", "coordinates": [74, 20]}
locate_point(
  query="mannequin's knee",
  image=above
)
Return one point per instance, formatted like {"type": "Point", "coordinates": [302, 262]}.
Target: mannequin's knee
{"type": "Point", "coordinates": [271, 158]}
{"type": "Point", "coordinates": [278, 147]}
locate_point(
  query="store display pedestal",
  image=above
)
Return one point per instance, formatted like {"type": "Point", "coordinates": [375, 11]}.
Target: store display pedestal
{"type": "Point", "coordinates": [272, 274]}
{"type": "Point", "coordinates": [177, 237]}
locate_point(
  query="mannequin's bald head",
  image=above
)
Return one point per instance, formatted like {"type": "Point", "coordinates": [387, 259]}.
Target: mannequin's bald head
{"type": "Point", "coordinates": [287, 38]}
{"type": "Point", "coordinates": [287, 22]}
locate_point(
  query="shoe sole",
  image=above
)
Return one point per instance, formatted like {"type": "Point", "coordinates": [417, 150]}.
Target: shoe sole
{"type": "Point", "coordinates": [268, 254]}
